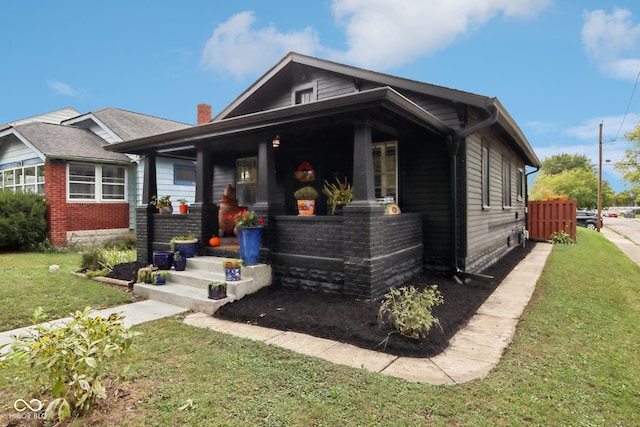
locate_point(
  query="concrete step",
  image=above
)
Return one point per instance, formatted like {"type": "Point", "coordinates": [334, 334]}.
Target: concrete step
{"type": "Point", "coordinates": [190, 288]}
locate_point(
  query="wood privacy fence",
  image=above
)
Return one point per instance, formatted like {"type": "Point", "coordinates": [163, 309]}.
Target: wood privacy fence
{"type": "Point", "coordinates": [548, 217]}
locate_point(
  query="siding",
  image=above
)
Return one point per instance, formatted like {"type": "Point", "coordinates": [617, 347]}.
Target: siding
{"type": "Point", "coordinates": [12, 151]}
{"type": "Point", "coordinates": [493, 231]}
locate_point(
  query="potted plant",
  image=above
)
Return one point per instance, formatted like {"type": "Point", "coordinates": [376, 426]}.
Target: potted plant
{"type": "Point", "coordinates": [217, 290]}
{"type": "Point", "coordinates": [184, 208]}
{"type": "Point", "coordinates": [306, 197]}
{"type": "Point", "coordinates": [163, 260]}
{"type": "Point", "coordinates": [232, 269]}
{"type": "Point", "coordinates": [186, 244]}
{"type": "Point", "coordinates": [179, 262]}
{"type": "Point", "coordinates": [249, 226]}
{"type": "Point", "coordinates": [338, 194]}
{"type": "Point", "coordinates": [159, 277]}
{"type": "Point", "coordinates": [163, 204]}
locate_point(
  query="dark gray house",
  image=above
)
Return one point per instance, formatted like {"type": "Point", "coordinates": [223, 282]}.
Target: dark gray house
{"type": "Point", "coordinates": [452, 161]}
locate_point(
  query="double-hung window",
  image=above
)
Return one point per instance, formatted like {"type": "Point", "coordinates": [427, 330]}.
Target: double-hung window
{"type": "Point", "coordinates": [385, 170]}
{"type": "Point", "coordinates": [89, 182]}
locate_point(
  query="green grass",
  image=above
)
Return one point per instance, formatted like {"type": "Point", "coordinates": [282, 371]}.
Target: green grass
{"type": "Point", "coordinates": [573, 362]}
{"type": "Point", "coordinates": [27, 283]}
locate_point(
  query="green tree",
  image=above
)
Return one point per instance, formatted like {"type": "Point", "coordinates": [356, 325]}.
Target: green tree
{"type": "Point", "coordinates": [562, 162]}
{"type": "Point", "coordinates": [577, 184]}
{"type": "Point", "coordinates": [628, 197]}
{"type": "Point", "coordinates": [629, 166]}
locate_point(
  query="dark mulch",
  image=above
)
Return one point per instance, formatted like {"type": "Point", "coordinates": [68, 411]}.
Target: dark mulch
{"type": "Point", "coordinates": [353, 321]}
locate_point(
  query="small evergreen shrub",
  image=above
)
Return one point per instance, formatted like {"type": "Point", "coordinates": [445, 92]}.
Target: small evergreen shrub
{"type": "Point", "coordinates": [409, 310]}
{"type": "Point", "coordinates": [65, 365]}
{"type": "Point", "coordinates": [23, 223]}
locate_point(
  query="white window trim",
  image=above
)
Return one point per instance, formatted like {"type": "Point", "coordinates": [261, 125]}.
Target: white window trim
{"type": "Point", "coordinates": [485, 176]}
{"type": "Point", "coordinates": [23, 185]}
{"type": "Point", "coordinates": [395, 172]}
{"type": "Point", "coordinates": [507, 187]}
{"type": "Point", "coordinates": [98, 185]}
{"type": "Point", "coordinates": [520, 184]}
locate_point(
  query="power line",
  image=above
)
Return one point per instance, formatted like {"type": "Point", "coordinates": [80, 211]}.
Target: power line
{"type": "Point", "coordinates": [628, 106]}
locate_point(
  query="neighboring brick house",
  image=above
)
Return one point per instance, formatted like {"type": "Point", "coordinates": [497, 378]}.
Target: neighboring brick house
{"type": "Point", "coordinates": [91, 193]}
{"type": "Point", "coordinates": [453, 162]}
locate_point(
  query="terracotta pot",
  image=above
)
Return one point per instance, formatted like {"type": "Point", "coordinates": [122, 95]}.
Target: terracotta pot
{"type": "Point", "coordinates": [227, 207]}
{"type": "Point", "coordinates": [184, 209]}
{"type": "Point", "coordinates": [306, 207]}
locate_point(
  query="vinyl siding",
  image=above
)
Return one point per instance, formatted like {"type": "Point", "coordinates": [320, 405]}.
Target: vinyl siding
{"type": "Point", "coordinates": [12, 151]}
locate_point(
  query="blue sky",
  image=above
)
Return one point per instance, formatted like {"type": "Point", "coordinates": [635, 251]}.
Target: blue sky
{"type": "Point", "coordinates": [559, 67]}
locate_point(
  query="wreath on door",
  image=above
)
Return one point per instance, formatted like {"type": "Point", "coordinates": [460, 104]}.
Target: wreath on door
{"type": "Point", "coordinates": [305, 172]}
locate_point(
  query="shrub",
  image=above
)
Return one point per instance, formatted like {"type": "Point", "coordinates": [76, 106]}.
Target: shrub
{"type": "Point", "coordinates": [23, 223]}
{"type": "Point", "coordinates": [106, 257]}
{"type": "Point", "coordinates": [409, 310]}
{"type": "Point", "coordinates": [561, 237]}
{"type": "Point", "coordinates": [68, 362]}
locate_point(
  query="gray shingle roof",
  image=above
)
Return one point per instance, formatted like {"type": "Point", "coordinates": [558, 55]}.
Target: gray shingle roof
{"type": "Point", "coordinates": [128, 125]}
{"type": "Point", "coordinates": [67, 142]}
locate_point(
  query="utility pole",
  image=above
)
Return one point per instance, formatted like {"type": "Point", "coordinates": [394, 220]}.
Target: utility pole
{"type": "Point", "coordinates": [599, 220]}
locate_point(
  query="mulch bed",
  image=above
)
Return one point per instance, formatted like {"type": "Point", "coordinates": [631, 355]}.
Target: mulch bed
{"type": "Point", "coordinates": [353, 321]}
{"type": "Point", "coordinates": [349, 320]}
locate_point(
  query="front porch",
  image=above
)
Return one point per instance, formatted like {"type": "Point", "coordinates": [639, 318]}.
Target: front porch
{"type": "Point", "coordinates": [355, 253]}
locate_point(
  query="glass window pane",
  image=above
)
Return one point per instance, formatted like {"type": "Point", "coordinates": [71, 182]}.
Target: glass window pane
{"type": "Point", "coordinates": [30, 175]}
{"type": "Point", "coordinates": [8, 178]}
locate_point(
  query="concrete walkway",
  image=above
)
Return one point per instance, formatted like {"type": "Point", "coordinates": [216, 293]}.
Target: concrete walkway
{"type": "Point", "coordinates": [472, 352]}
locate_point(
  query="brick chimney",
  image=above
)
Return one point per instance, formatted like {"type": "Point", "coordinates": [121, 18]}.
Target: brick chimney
{"type": "Point", "coordinates": [204, 113]}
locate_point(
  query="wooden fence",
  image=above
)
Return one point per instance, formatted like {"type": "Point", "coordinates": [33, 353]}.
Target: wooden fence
{"type": "Point", "coordinates": [548, 217]}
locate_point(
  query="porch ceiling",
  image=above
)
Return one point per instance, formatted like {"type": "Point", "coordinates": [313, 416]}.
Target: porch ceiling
{"type": "Point", "coordinates": [383, 106]}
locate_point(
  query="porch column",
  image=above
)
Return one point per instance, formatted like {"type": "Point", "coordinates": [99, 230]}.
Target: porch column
{"type": "Point", "coordinates": [266, 184]}
{"type": "Point", "coordinates": [362, 240]}
{"type": "Point", "coordinates": [203, 211]}
{"type": "Point", "coordinates": [144, 212]}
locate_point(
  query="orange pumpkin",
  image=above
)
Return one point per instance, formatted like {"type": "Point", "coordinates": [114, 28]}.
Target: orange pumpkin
{"type": "Point", "coordinates": [214, 241]}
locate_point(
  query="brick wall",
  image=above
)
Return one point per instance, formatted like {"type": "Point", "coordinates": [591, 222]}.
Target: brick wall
{"type": "Point", "coordinates": [64, 217]}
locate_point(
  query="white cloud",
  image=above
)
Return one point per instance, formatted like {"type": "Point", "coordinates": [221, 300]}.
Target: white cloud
{"type": "Point", "coordinates": [378, 36]}
{"type": "Point", "coordinates": [237, 48]}
{"type": "Point", "coordinates": [613, 128]}
{"type": "Point", "coordinates": [64, 89]}
{"type": "Point", "coordinates": [612, 41]}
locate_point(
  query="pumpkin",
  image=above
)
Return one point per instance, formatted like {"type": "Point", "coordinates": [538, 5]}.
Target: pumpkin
{"type": "Point", "coordinates": [214, 241]}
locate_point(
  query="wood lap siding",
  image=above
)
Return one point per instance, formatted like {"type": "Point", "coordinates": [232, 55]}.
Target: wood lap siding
{"type": "Point", "coordinates": [425, 186]}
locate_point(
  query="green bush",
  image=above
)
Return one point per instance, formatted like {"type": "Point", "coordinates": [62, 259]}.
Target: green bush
{"type": "Point", "coordinates": [409, 310]}
{"type": "Point", "coordinates": [68, 362]}
{"type": "Point", "coordinates": [106, 257]}
{"type": "Point", "coordinates": [561, 237]}
{"type": "Point", "coordinates": [23, 223]}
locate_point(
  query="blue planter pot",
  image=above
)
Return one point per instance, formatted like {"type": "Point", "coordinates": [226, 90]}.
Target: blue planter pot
{"type": "Point", "coordinates": [249, 239]}
{"type": "Point", "coordinates": [163, 259]}
{"type": "Point", "coordinates": [232, 274]}
{"type": "Point", "coordinates": [180, 264]}
{"type": "Point", "coordinates": [187, 250]}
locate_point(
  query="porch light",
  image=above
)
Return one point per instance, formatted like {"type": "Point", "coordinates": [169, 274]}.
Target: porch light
{"type": "Point", "coordinates": [276, 141]}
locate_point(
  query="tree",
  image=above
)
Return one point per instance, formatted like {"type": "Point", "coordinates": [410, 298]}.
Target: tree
{"type": "Point", "coordinates": [628, 197]}
{"type": "Point", "coordinates": [574, 177]}
{"type": "Point", "coordinates": [561, 162]}
{"type": "Point", "coordinates": [629, 166]}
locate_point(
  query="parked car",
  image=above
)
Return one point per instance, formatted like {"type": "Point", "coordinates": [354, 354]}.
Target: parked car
{"type": "Point", "coordinates": [588, 219]}
{"type": "Point", "coordinates": [610, 214]}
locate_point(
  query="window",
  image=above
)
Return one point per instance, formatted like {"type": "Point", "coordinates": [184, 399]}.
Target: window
{"type": "Point", "coordinates": [520, 184]}
{"type": "Point", "coordinates": [27, 178]}
{"type": "Point", "coordinates": [89, 182]}
{"type": "Point", "coordinates": [184, 175]}
{"type": "Point", "coordinates": [304, 95]}
{"type": "Point", "coordinates": [385, 169]}
{"type": "Point", "coordinates": [506, 183]}
{"type": "Point", "coordinates": [486, 202]}
{"type": "Point", "coordinates": [246, 180]}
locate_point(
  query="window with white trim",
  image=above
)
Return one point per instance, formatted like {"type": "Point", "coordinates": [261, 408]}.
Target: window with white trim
{"type": "Point", "coordinates": [385, 169]}
{"type": "Point", "coordinates": [305, 94]}
{"type": "Point", "coordinates": [25, 178]}
{"type": "Point", "coordinates": [95, 183]}
{"type": "Point", "coordinates": [246, 180]}
{"type": "Point", "coordinates": [506, 183]}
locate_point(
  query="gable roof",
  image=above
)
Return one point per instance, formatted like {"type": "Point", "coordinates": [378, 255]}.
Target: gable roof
{"type": "Point", "coordinates": [55, 116]}
{"type": "Point", "coordinates": [65, 142]}
{"type": "Point", "coordinates": [127, 125]}
{"type": "Point", "coordinates": [386, 92]}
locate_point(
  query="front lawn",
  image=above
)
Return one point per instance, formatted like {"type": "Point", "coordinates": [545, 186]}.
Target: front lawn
{"type": "Point", "coordinates": [574, 361]}
{"type": "Point", "coordinates": [26, 283]}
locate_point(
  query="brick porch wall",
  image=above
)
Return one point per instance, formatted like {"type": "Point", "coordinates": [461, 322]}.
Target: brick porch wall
{"type": "Point", "coordinates": [64, 217]}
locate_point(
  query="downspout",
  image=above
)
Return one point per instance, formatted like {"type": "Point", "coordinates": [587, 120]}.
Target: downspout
{"type": "Point", "coordinates": [453, 146]}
